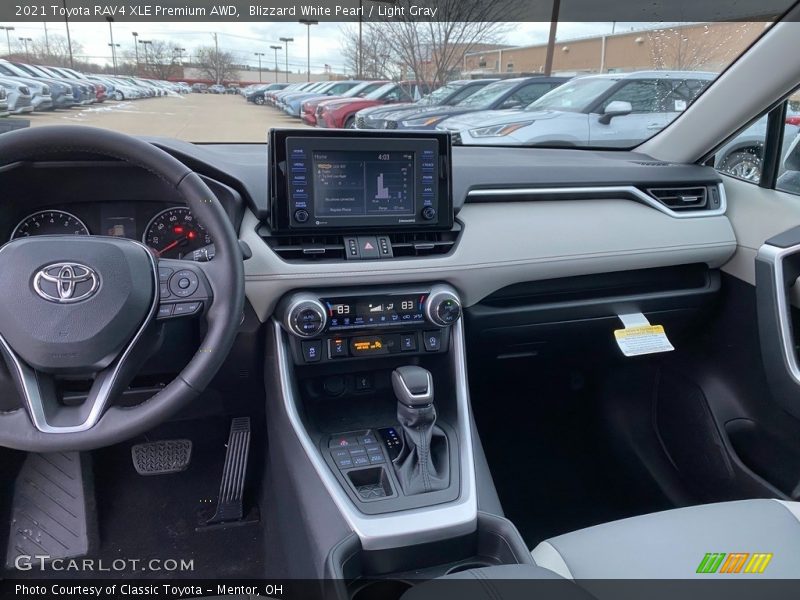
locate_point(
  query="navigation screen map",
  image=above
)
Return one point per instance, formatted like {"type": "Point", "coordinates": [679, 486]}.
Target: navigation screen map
{"type": "Point", "coordinates": [363, 183]}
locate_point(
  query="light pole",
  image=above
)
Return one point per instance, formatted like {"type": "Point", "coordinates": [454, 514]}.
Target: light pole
{"type": "Point", "coordinates": [8, 37]}
{"type": "Point", "coordinates": [114, 56]}
{"type": "Point", "coordinates": [286, 43]}
{"type": "Point", "coordinates": [69, 37]}
{"type": "Point", "coordinates": [180, 52]}
{"type": "Point", "coordinates": [145, 43]}
{"type": "Point", "coordinates": [259, 55]}
{"type": "Point", "coordinates": [136, 49]}
{"type": "Point", "coordinates": [46, 39]}
{"type": "Point", "coordinates": [276, 48]}
{"type": "Point", "coordinates": [308, 23]}
{"type": "Point", "coordinates": [112, 44]}
{"type": "Point", "coordinates": [25, 41]}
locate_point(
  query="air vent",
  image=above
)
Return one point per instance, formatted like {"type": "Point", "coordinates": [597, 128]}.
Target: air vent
{"type": "Point", "coordinates": [428, 243]}
{"type": "Point", "coordinates": [682, 198]}
{"type": "Point", "coordinates": [307, 248]}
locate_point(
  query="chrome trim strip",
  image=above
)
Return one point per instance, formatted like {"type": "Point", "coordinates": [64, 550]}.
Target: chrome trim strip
{"type": "Point", "coordinates": [28, 379]}
{"type": "Point", "coordinates": [408, 527]}
{"type": "Point", "coordinates": [616, 189]}
{"type": "Point", "coordinates": [776, 255]}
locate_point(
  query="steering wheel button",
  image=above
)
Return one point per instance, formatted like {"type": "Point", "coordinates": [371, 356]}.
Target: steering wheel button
{"type": "Point", "coordinates": [164, 311]}
{"type": "Point", "coordinates": [184, 283]}
{"type": "Point", "coordinates": [164, 290]}
{"type": "Point", "coordinates": [186, 308]}
{"type": "Point", "coordinates": [163, 274]}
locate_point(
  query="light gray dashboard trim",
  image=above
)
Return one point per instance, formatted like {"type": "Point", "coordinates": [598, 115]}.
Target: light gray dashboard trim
{"type": "Point", "coordinates": [567, 192]}
{"type": "Point", "coordinates": [502, 243]}
{"type": "Point", "coordinates": [402, 528]}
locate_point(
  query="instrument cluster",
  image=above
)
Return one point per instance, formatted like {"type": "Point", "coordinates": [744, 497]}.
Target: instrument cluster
{"type": "Point", "coordinates": [169, 231]}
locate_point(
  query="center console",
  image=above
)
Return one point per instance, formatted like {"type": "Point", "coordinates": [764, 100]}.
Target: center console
{"type": "Point", "coordinates": [369, 412]}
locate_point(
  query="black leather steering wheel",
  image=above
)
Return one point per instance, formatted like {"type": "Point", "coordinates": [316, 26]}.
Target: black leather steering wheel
{"type": "Point", "coordinates": [87, 307]}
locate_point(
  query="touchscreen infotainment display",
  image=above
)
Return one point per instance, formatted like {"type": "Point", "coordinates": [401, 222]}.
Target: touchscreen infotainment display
{"type": "Point", "coordinates": [359, 181]}
{"type": "Point", "coordinates": [363, 183]}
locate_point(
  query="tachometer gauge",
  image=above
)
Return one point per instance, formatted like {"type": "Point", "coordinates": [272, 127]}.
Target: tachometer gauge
{"type": "Point", "coordinates": [175, 233]}
{"type": "Point", "coordinates": [49, 222]}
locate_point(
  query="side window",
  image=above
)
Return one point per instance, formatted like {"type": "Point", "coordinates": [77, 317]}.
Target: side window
{"type": "Point", "coordinates": [528, 94]}
{"type": "Point", "coordinates": [644, 95]}
{"type": "Point", "coordinates": [394, 95]}
{"type": "Point", "coordinates": [748, 155]}
{"type": "Point", "coordinates": [789, 167]}
{"type": "Point", "coordinates": [680, 94]}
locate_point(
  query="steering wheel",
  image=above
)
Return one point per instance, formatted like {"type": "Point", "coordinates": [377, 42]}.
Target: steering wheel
{"type": "Point", "coordinates": [88, 307]}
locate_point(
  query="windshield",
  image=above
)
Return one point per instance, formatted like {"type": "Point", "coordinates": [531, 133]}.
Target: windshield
{"type": "Point", "coordinates": [376, 94]}
{"type": "Point", "coordinates": [488, 95]}
{"type": "Point", "coordinates": [437, 96]}
{"type": "Point", "coordinates": [577, 95]}
{"type": "Point", "coordinates": [231, 79]}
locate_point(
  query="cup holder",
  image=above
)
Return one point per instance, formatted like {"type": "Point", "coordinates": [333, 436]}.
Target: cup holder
{"type": "Point", "coordinates": [466, 567]}
{"type": "Point", "coordinates": [382, 589]}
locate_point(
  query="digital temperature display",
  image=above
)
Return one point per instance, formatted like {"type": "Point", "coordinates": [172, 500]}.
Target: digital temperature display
{"type": "Point", "coordinates": [375, 311]}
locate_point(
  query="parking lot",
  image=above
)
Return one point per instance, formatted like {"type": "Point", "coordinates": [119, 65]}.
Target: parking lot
{"type": "Point", "coordinates": [192, 117]}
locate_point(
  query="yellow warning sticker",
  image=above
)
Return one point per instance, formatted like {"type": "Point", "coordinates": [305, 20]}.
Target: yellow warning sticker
{"type": "Point", "coordinates": [643, 339]}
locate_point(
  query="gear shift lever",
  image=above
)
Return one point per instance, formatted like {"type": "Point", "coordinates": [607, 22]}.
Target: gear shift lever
{"type": "Point", "coordinates": [424, 465]}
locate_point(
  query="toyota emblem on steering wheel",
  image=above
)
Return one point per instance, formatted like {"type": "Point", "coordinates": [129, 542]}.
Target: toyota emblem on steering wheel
{"type": "Point", "coordinates": [66, 282]}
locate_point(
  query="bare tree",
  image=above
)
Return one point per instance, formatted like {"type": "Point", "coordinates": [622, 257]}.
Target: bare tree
{"type": "Point", "coordinates": [434, 50]}
{"type": "Point", "coordinates": [54, 51]}
{"type": "Point", "coordinates": [162, 60]}
{"type": "Point", "coordinates": [216, 65]}
{"type": "Point", "coordinates": [707, 48]}
{"type": "Point", "coordinates": [378, 61]}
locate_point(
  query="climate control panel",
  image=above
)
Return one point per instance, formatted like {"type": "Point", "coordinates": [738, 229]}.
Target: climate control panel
{"type": "Point", "coordinates": [341, 324]}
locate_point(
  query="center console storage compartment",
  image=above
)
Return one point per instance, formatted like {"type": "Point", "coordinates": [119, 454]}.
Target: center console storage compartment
{"type": "Point", "coordinates": [387, 574]}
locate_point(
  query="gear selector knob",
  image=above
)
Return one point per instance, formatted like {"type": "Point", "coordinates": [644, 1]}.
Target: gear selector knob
{"type": "Point", "coordinates": [413, 386]}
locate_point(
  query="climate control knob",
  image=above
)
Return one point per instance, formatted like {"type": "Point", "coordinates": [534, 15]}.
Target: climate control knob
{"type": "Point", "coordinates": [443, 307]}
{"type": "Point", "coordinates": [307, 318]}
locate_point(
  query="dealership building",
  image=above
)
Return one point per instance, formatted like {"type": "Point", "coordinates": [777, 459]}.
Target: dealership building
{"type": "Point", "coordinates": [701, 46]}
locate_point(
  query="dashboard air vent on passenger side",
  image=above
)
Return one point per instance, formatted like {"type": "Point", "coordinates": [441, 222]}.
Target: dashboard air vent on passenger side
{"type": "Point", "coordinates": [429, 243]}
{"type": "Point", "coordinates": [681, 198]}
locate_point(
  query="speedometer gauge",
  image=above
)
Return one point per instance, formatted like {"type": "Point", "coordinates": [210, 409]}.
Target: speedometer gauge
{"type": "Point", "coordinates": [175, 233]}
{"type": "Point", "coordinates": [49, 222]}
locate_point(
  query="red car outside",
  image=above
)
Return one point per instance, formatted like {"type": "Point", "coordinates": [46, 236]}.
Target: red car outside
{"type": "Point", "coordinates": [341, 113]}
{"type": "Point", "coordinates": [100, 92]}
{"type": "Point", "coordinates": [308, 109]}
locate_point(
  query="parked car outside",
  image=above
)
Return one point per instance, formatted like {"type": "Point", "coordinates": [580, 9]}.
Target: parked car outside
{"type": "Point", "coordinates": [293, 104]}
{"type": "Point", "coordinates": [611, 110]}
{"type": "Point", "coordinates": [200, 88]}
{"type": "Point", "coordinates": [341, 112]}
{"type": "Point", "coordinates": [308, 108]}
{"type": "Point", "coordinates": [19, 97]}
{"type": "Point", "coordinates": [500, 95]}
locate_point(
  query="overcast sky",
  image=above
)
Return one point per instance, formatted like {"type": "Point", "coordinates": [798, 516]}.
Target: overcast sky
{"type": "Point", "coordinates": [243, 39]}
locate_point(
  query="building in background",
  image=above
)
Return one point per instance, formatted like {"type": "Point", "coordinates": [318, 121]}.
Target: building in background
{"type": "Point", "coordinates": [703, 46]}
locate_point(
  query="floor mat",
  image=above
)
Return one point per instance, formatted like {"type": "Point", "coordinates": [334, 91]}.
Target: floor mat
{"type": "Point", "coordinates": [550, 454]}
{"type": "Point", "coordinates": [155, 517]}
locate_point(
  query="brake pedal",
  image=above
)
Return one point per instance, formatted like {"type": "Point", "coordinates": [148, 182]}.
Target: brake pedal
{"type": "Point", "coordinates": [230, 503]}
{"type": "Point", "coordinates": [162, 457]}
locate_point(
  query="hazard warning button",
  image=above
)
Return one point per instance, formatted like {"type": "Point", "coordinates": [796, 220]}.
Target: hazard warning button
{"type": "Point", "coordinates": [368, 246]}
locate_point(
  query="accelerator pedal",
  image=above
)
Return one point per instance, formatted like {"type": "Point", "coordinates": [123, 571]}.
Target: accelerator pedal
{"type": "Point", "coordinates": [162, 457]}
{"type": "Point", "coordinates": [49, 514]}
{"type": "Point", "coordinates": [230, 503]}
